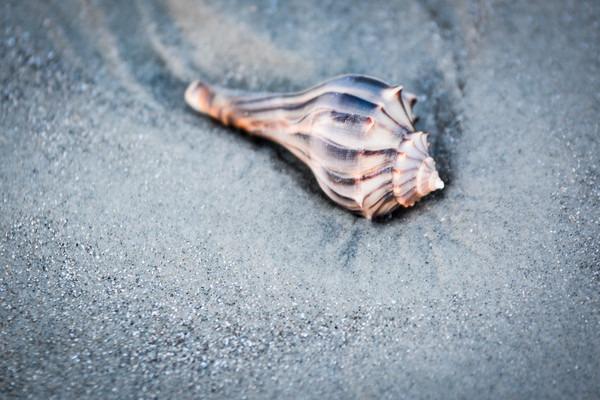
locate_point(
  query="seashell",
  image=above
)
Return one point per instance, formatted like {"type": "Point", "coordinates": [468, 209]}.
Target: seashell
{"type": "Point", "coordinates": [355, 133]}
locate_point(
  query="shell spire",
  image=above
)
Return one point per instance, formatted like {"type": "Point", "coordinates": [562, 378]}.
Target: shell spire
{"type": "Point", "coordinates": [355, 133]}
{"type": "Point", "coordinates": [415, 175]}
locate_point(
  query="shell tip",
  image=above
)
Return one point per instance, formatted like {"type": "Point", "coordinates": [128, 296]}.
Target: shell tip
{"type": "Point", "coordinates": [199, 96]}
{"type": "Point", "coordinates": [191, 95]}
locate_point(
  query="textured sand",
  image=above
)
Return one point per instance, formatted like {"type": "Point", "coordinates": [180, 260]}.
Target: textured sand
{"type": "Point", "coordinates": [148, 252]}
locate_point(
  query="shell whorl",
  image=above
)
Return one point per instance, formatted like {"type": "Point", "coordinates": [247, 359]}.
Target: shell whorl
{"type": "Point", "coordinates": [415, 175]}
{"type": "Point", "coordinates": [356, 134]}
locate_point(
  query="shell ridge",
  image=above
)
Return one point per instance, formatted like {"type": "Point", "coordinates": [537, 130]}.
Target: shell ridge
{"type": "Point", "coordinates": [319, 96]}
{"type": "Point", "coordinates": [403, 170]}
{"type": "Point", "coordinates": [337, 198]}
{"type": "Point", "coordinates": [329, 100]}
{"type": "Point", "coordinates": [361, 177]}
{"type": "Point", "coordinates": [406, 129]}
{"type": "Point", "coordinates": [412, 189]}
{"type": "Point", "coordinates": [346, 192]}
{"type": "Point", "coordinates": [412, 125]}
{"type": "Point", "coordinates": [377, 189]}
{"type": "Point", "coordinates": [352, 173]}
{"type": "Point", "coordinates": [241, 97]}
{"type": "Point", "coordinates": [383, 197]}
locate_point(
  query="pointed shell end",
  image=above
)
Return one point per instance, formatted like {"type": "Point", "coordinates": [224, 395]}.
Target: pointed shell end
{"type": "Point", "coordinates": [191, 94]}
{"type": "Point", "coordinates": [199, 96]}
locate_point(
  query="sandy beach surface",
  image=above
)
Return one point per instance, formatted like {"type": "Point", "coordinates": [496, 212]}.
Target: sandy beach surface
{"type": "Point", "coordinates": [148, 252]}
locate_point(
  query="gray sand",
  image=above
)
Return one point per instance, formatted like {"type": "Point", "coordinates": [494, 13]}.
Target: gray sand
{"type": "Point", "coordinates": [149, 252]}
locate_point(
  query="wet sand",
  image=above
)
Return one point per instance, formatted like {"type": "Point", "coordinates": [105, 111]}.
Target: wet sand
{"type": "Point", "coordinates": [147, 252]}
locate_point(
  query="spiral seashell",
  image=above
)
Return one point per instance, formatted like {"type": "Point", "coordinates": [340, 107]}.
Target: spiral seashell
{"type": "Point", "coordinates": [355, 133]}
